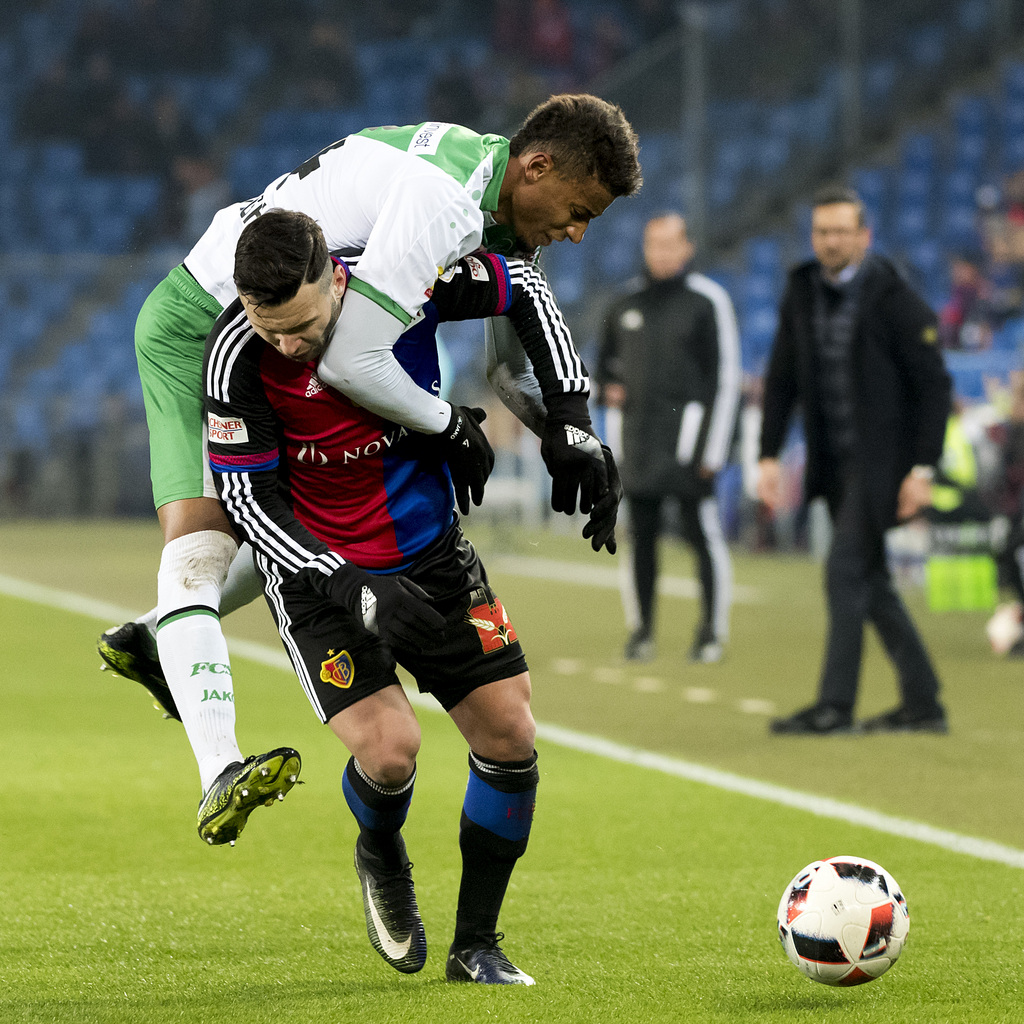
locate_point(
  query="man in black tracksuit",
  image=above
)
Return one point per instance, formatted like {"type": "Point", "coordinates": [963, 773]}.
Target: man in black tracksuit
{"type": "Point", "coordinates": [857, 349]}
{"type": "Point", "coordinates": [670, 361]}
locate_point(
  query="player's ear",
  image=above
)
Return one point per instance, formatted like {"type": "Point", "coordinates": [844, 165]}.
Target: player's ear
{"type": "Point", "coordinates": [339, 281]}
{"type": "Point", "coordinates": [537, 165]}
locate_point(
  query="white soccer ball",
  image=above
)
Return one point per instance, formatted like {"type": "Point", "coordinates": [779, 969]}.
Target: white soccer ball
{"type": "Point", "coordinates": [843, 921]}
{"type": "Point", "coordinates": [1005, 628]}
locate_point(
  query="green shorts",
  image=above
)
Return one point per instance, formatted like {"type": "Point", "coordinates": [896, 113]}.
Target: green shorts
{"type": "Point", "coordinates": [170, 336]}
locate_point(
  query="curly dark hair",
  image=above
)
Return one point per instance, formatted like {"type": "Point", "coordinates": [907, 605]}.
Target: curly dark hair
{"type": "Point", "coordinates": [276, 254]}
{"type": "Point", "coordinates": [586, 136]}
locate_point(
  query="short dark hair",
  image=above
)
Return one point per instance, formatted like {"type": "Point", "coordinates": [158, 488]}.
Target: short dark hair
{"type": "Point", "coordinates": [586, 136]}
{"type": "Point", "coordinates": [276, 254]}
{"type": "Point", "coordinates": [829, 195]}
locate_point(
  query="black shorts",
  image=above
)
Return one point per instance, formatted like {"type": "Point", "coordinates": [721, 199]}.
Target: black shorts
{"type": "Point", "coordinates": [339, 662]}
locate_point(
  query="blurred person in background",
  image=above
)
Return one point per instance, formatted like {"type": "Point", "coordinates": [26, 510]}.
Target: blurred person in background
{"type": "Point", "coordinates": [670, 360]}
{"type": "Point", "coordinates": [858, 350]}
{"type": "Point", "coordinates": [965, 321]}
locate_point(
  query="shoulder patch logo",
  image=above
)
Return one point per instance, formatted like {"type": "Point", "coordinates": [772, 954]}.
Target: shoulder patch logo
{"type": "Point", "coordinates": [632, 319]}
{"type": "Point", "coordinates": [224, 431]}
{"type": "Point", "coordinates": [428, 138]}
{"type": "Point", "coordinates": [930, 335]}
{"type": "Point", "coordinates": [338, 670]}
{"type": "Point", "coordinates": [476, 269]}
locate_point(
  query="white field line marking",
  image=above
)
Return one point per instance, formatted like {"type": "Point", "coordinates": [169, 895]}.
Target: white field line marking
{"type": "Point", "coordinates": [982, 849]}
{"type": "Point", "coordinates": [601, 576]}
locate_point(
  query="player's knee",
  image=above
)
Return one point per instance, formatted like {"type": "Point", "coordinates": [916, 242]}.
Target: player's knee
{"type": "Point", "coordinates": [390, 756]}
{"type": "Point", "coordinates": [392, 765]}
{"type": "Point", "coordinates": [199, 559]}
{"type": "Point", "coordinates": [513, 737]}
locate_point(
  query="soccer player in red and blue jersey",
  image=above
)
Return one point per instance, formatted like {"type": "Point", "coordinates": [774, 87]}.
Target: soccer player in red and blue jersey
{"type": "Point", "coordinates": [355, 533]}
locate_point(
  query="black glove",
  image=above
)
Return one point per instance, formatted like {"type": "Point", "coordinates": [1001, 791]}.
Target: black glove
{"type": "Point", "coordinates": [576, 464]}
{"type": "Point", "coordinates": [600, 527]}
{"type": "Point", "coordinates": [469, 455]}
{"type": "Point", "coordinates": [394, 608]}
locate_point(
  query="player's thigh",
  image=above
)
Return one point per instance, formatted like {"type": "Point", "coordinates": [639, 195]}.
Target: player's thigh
{"type": "Point", "coordinates": [382, 733]}
{"type": "Point", "coordinates": [170, 337]}
{"type": "Point", "coordinates": [339, 663]}
{"type": "Point", "coordinates": [192, 515]}
{"type": "Point", "coordinates": [496, 719]}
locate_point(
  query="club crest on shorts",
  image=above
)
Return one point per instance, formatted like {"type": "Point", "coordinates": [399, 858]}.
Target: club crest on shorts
{"type": "Point", "coordinates": [338, 670]}
{"type": "Point", "coordinates": [491, 620]}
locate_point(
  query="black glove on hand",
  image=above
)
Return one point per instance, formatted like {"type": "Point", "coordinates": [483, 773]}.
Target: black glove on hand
{"type": "Point", "coordinates": [600, 527]}
{"type": "Point", "coordinates": [469, 455]}
{"type": "Point", "coordinates": [394, 608]}
{"type": "Point", "coordinates": [576, 464]}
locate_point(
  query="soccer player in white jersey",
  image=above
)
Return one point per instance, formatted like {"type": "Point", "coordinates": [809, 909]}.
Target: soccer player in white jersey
{"type": "Point", "coordinates": [413, 200]}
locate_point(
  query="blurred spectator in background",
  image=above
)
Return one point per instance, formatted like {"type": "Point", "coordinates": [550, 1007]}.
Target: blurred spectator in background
{"type": "Point", "coordinates": [965, 322]}
{"type": "Point", "coordinates": [654, 18]}
{"type": "Point", "coordinates": [195, 191]}
{"type": "Point", "coordinates": [323, 72]}
{"type": "Point", "coordinates": [670, 360]}
{"type": "Point", "coordinates": [858, 350]}
{"type": "Point", "coordinates": [172, 133]}
{"type": "Point", "coordinates": [454, 95]}
{"type": "Point", "coordinates": [52, 107]}
{"type": "Point", "coordinates": [1007, 500]}
{"type": "Point", "coordinates": [124, 141]}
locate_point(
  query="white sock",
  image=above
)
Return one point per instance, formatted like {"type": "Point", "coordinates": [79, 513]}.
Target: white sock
{"type": "Point", "coordinates": [244, 583]}
{"type": "Point", "coordinates": [149, 620]}
{"type": "Point", "coordinates": [193, 652]}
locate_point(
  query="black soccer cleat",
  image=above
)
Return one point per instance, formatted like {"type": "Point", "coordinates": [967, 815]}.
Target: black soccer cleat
{"type": "Point", "coordinates": [130, 651]}
{"type": "Point", "coordinates": [639, 647]}
{"type": "Point", "coordinates": [393, 921]}
{"type": "Point", "coordinates": [817, 720]}
{"type": "Point", "coordinates": [241, 788]}
{"type": "Point", "coordinates": [484, 963]}
{"type": "Point", "coordinates": [903, 719]}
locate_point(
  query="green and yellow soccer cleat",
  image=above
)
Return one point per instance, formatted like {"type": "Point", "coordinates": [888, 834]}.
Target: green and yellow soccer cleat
{"type": "Point", "coordinates": [130, 651]}
{"type": "Point", "coordinates": [241, 788]}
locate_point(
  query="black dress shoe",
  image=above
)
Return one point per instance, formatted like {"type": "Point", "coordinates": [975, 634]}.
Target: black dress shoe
{"type": "Point", "coordinates": [904, 719]}
{"type": "Point", "coordinates": [817, 720]}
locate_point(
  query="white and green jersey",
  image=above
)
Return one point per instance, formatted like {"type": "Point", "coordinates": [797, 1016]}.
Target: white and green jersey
{"type": "Point", "coordinates": [414, 199]}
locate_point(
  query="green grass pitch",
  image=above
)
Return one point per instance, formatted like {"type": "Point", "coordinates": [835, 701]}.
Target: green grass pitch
{"type": "Point", "coordinates": [643, 897]}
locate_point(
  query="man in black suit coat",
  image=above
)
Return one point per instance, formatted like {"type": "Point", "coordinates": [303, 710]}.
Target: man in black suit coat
{"type": "Point", "coordinates": [857, 349]}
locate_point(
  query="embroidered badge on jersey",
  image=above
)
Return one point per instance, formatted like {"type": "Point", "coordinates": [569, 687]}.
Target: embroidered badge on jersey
{"type": "Point", "coordinates": [476, 269]}
{"type": "Point", "coordinates": [339, 670]}
{"type": "Point", "coordinates": [488, 614]}
{"type": "Point", "coordinates": [227, 431]}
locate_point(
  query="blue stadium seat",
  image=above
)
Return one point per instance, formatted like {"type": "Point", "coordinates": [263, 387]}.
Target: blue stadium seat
{"type": "Point", "coordinates": [969, 370]}
{"type": "Point", "coordinates": [1010, 336]}
{"type": "Point", "coordinates": [919, 151]}
{"type": "Point", "coordinates": [926, 45]}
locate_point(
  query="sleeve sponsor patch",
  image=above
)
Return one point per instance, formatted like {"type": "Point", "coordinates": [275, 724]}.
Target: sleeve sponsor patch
{"type": "Point", "coordinates": [227, 431]}
{"type": "Point", "coordinates": [476, 269]}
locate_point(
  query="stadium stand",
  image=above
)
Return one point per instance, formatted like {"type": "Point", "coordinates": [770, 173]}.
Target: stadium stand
{"type": "Point", "coordinates": [774, 110]}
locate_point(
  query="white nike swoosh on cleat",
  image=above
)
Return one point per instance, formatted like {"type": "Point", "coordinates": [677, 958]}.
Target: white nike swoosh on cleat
{"type": "Point", "coordinates": [394, 950]}
{"type": "Point", "coordinates": [472, 973]}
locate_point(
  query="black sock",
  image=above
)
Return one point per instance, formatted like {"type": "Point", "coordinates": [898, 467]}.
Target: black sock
{"type": "Point", "coordinates": [494, 829]}
{"type": "Point", "coordinates": [380, 811]}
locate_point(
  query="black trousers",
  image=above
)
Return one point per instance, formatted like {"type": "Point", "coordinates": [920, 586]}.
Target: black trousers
{"type": "Point", "coordinates": [859, 590]}
{"type": "Point", "coordinates": [702, 530]}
